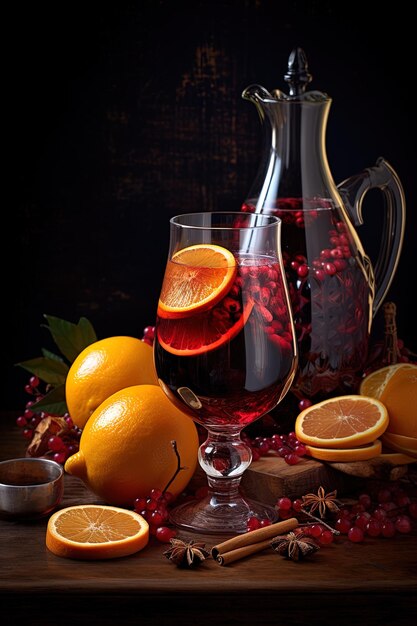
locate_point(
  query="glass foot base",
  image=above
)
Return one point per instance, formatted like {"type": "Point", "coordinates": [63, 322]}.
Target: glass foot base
{"type": "Point", "coordinates": [212, 516]}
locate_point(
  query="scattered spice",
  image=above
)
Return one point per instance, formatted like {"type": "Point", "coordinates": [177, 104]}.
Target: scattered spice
{"type": "Point", "coordinates": [185, 554]}
{"type": "Point", "coordinates": [294, 546]}
{"type": "Point", "coordinates": [321, 501]}
{"type": "Point", "coordinates": [47, 427]}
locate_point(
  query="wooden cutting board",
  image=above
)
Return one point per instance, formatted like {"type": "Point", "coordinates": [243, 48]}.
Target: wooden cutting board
{"type": "Point", "coordinates": [271, 477]}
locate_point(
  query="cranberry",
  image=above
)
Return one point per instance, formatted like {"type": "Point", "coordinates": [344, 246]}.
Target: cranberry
{"type": "Point", "coordinates": [284, 504]}
{"type": "Point", "coordinates": [330, 269]}
{"type": "Point", "coordinates": [355, 534]}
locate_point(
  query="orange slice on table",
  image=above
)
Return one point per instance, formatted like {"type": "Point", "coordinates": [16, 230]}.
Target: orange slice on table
{"type": "Point", "coordinates": [395, 458]}
{"type": "Point", "coordinates": [195, 279]}
{"type": "Point", "coordinates": [393, 445]}
{"type": "Point", "coordinates": [396, 387]}
{"type": "Point", "coordinates": [400, 440]}
{"type": "Point", "coordinates": [93, 531]}
{"type": "Point", "coordinates": [362, 453]}
{"type": "Point", "coordinates": [342, 422]}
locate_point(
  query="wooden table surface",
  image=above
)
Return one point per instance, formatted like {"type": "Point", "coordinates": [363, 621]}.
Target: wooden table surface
{"type": "Point", "coordinates": [373, 583]}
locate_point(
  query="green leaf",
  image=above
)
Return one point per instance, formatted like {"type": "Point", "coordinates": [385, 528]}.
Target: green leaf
{"type": "Point", "coordinates": [51, 355]}
{"type": "Point", "coordinates": [88, 333]}
{"type": "Point", "coordinates": [53, 402]}
{"type": "Point", "coordinates": [49, 370]}
{"type": "Point", "coordinates": [70, 338]}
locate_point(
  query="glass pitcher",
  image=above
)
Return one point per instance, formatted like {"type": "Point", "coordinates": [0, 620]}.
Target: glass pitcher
{"type": "Point", "coordinates": [334, 289]}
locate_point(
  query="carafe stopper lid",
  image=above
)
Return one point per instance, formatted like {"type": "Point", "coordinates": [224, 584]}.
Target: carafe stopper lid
{"type": "Point", "coordinates": [297, 76]}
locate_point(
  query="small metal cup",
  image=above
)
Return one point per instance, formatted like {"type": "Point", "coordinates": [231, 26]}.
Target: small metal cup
{"type": "Point", "coordinates": [30, 487]}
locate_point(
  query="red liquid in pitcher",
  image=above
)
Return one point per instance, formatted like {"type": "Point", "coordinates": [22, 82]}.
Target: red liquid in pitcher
{"type": "Point", "coordinates": [230, 364]}
{"type": "Point", "coordinates": [331, 288]}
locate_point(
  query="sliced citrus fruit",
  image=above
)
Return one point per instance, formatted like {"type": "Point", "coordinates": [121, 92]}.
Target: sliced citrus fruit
{"type": "Point", "coordinates": [195, 279]}
{"type": "Point", "coordinates": [395, 458]}
{"type": "Point", "coordinates": [374, 383]}
{"type": "Point", "coordinates": [191, 336]}
{"type": "Point", "coordinates": [396, 387]}
{"type": "Point", "coordinates": [362, 453]}
{"type": "Point", "coordinates": [398, 448]}
{"type": "Point", "coordinates": [342, 422]}
{"type": "Point", "coordinates": [93, 531]}
{"type": "Point", "coordinates": [405, 442]}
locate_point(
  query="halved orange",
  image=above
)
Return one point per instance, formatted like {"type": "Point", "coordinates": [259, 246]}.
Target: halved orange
{"type": "Point", "coordinates": [201, 333]}
{"type": "Point", "coordinates": [375, 382]}
{"type": "Point", "coordinates": [396, 387]}
{"type": "Point", "coordinates": [342, 422]}
{"type": "Point", "coordinates": [361, 453]}
{"type": "Point", "coordinates": [195, 279]}
{"type": "Point", "coordinates": [94, 531]}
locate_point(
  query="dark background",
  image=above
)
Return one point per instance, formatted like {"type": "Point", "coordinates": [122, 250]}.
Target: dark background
{"type": "Point", "coordinates": [119, 117]}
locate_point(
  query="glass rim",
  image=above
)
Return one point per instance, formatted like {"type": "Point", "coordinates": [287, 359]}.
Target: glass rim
{"type": "Point", "coordinates": [273, 220]}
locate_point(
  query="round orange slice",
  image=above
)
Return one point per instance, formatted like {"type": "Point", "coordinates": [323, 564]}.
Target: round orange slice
{"type": "Point", "coordinates": [195, 279]}
{"type": "Point", "coordinates": [93, 531]}
{"type": "Point", "coordinates": [196, 335]}
{"type": "Point", "coordinates": [362, 453]}
{"type": "Point", "coordinates": [342, 422]}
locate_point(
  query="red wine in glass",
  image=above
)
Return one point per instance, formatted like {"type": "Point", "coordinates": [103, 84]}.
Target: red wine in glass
{"type": "Point", "coordinates": [225, 355]}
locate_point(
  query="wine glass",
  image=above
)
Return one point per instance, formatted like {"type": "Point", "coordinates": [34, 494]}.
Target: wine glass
{"type": "Point", "coordinates": [224, 350]}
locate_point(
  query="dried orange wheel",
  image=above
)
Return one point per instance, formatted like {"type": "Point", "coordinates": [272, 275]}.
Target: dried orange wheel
{"type": "Point", "coordinates": [93, 531]}
{"type": "Point", "coordinates": [342, 422]}
{"type": "Point", "coordinates": [195, 279]}
{"type": "Point", "coordinates": [362, 453]}
{"type": "Point", "coordinates": [396, 387]}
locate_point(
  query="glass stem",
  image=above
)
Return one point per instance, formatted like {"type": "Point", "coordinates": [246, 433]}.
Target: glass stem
{"type": "Point", "coordinates": [224, 457]}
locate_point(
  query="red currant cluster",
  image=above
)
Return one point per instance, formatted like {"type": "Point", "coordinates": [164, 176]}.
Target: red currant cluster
{"type": "Point", "coordinates": [389, 512]}
{"type": "Point", "coordinates": [393, 512]}
{"type": "Point", "coordinates": [148, 335]}
{"type": "Point", "coordinates": [318, 530]}
{"type": "Point", "coordinates": [56, 446]}
{"type": "Point", "coordinates": [286, 446]}
{"type": "Point", "coordinates": [154, 509]}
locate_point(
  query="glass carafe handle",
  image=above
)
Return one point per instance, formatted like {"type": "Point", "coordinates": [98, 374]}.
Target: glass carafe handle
{"type": "Point", "coordinates": [381, 176]}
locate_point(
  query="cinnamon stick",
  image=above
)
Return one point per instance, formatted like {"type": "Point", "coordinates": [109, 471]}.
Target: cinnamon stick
{"type": "Point", "coordinates": [249, 543]}
{"type": "Point", "coordinates": [240, 553]}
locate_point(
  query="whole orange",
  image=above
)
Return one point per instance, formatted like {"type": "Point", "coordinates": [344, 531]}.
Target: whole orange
{"type": "Point", "coordinates": [126, 446]}
{"type": "Point", "coordinates": [104, 367]}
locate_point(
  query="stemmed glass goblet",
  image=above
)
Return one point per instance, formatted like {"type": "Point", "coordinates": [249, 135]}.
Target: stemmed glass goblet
{"type": "Point", "coordinates": [224, 349]}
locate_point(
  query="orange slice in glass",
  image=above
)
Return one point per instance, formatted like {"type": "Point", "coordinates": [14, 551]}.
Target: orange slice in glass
{"type": "Point", "coordinates": [93, 531]}
{"type": "Point", "coordinates": [195, 279]}
{"type": "Point", "coordinates": [199, 334]}
{"type": "Point", "coordinates": [342, 422]}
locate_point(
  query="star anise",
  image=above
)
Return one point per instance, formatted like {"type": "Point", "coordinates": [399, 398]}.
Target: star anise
{"type": "Point", "coordinates": [294, 546]}
{"type": "Point", "coordinates": [321, 501]}
{"type": "Point", "coordinates": [185, 554]}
